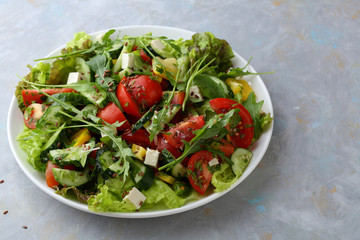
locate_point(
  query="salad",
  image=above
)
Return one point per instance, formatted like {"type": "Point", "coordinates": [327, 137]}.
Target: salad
{"type": "Point", "coordinates": [134, 123]}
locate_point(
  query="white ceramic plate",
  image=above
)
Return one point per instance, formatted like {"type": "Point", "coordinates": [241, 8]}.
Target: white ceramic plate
{"type": "Point", "coordinates": [15, 126]}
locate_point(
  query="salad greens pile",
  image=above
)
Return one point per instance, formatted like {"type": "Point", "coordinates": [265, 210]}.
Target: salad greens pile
{"type": "Point", "coordinates": [136, 123]}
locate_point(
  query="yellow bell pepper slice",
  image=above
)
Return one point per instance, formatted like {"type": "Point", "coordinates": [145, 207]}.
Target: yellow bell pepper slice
{"type": "Point", "coordinates": [163, 67]}
{"type": "Point", "coordinates": [80, 137]}
{"type": "Point", "coordinates": [139, 151]}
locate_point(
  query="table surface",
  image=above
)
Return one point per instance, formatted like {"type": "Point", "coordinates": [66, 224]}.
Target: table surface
{"type": "Point", "coordinates": [306, 186]}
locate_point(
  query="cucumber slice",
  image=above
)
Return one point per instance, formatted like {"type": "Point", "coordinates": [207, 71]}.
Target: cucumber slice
{"type": "Point", "coordinates": [70, 177]}
{"type": "Point", "coordinates": [142, 175]}
{"type": "Point", "coordinates": [178, 171]}
{"type": "Point", "coordinates": [83, 69]}
{"type": "Point", "coordinates": [241, 158]}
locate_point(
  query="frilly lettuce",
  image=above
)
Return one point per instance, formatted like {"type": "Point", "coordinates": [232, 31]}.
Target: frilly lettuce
{"type": "Point", "coordinates": [206, 43]}
{"type": "Point", "coordinates": [225, 176]}
{"type": "Point", "coordinates": [161, 194]}
{"type": "Point", "coordinates": [81, 40]}
{"type": "Point", "coordinates": [107, 201]}
{"type": "Point", "coordinates": [32, 144]}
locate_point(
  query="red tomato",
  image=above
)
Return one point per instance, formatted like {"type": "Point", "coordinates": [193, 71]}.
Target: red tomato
{"type": "Point", "coordinates": [49, 175]}
{"type": "Point", "coordinates": [243, 134]}
{"type": "Point", "coordinates": [183, 131]}
{"type": "Point", "coordinates": [111, 113]}
{"type": "Point", "coordinates": [164, 84]}
{"type": "Point", "coordinates": [198, 174]}
{"type": "Point", "coordinates": [145, 57]}
{"type": "Point", "coordinates": [145, 91]}
{"type": "Point", "coordinates": [33, 95]}
{"type": "Point", "coordinates": [226, 147]}
{"type": "Point", "coordinates": [178, 98]}
{"type": "Point", "coordinates": [127, 102]}
{"type": "Point", "coordinates": [33, 113]}
{"type": "Point", "coordinates": [140, 137]}
{"type": "Point", "coordinates": [163, 144]}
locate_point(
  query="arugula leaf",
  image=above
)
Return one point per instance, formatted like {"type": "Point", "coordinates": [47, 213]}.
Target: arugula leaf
{"type": "Point", "coordinates": [215, 127]}
{"type": "Point", "coordinates": [211, 87]}
{"type": "Point", "coordinates": [254, 109]}
{"type": "Point", "coordinates": [238, 72]}
{"type": "Point", "coordinates": [75, 98]}
{"type": "Point", "coordinates": [100, 64]}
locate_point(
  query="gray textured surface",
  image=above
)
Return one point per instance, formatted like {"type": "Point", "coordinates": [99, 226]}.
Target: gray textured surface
{"type": "Point", "coordinates": [306, 186]}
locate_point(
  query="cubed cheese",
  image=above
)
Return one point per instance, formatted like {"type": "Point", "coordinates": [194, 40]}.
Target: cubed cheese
{"type": "Point", "coordinates": [196, 93]}
{"type": "Point", "coordinates": [157, 44]}
{"type": "Point", "coordinates": [213, 162]}
{"type": "Point", "coordinates": [152, 157]}
{"type": "Point", "coordinates": [127, 60]}
{"type": "Point", "coordinates": [135, 197]}
{"type": "Point", "coordinates": [73, 77]}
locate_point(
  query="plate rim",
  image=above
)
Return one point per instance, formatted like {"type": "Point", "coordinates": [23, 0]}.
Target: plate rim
{"type": "Point", "coordinates": [150, 214]}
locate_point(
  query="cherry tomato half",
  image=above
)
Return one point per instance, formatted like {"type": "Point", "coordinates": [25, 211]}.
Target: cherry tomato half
{"type": "Point", "coordinates": [127, 102]}
{"type": "Point", "coordinates": [183, 131]}
{"type": "Point", "coordinates": [242, 136]}
{"type": "Point", "coordinates": [33, 113]}
{"type": "Point", "coordinates": [145, 91]}
{"type": "Point", "coordinates": [198, 174]}
{"type": "Point", "coordinates": [111, 113]}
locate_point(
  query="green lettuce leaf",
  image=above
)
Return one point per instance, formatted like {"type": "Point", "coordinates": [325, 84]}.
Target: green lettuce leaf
{"type": "Point", "coordinates": [206, 43]}
{"type": "Point", "coordinates": [81, 40]}
{"type": "Point", "coordinates": [67, 191]}
{"type": "Point", "coordinates": [223, 178]}
{"type": "Point", "coordinates": [107, 201]}
{"type": "Point", "coordinates": [60, 70]}
{"type": "Point", "coordinates": [160, 194]}
{"type": "Point", "coordinates": [32, 143]}
{"type": "Point", "coordinates": [38, 74]}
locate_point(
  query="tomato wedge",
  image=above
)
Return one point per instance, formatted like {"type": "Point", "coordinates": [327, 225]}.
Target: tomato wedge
{"type": "Point", "coordinates": [226, 147]}
{"type": "Point", "coordinates": [198, 174]}
{"type": "Point", "coordinates": [127, 102]}
{"type": "Point", "coordinates": [33, 113]}
{"type": "Point", "coordinates": [145, 57]}
{"type": "Point", "coordinates": [178, 98]}
{"type": "Point", "coordinates": [243, 134]}
{"type": "Point", "coordinates": [111, 113]}
{"type": "Point", "coordinates": [140, 137]}
{"type": "Point", "coordinates": [145, 91]}
{"type": "Point", "coordinates": [163, 144]}
{"type": "Point", "coordinates": [34, 96]}
{"type": "Point", "coordinates": [183, 131]}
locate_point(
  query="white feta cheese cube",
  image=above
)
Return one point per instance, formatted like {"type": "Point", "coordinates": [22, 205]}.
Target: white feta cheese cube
{"type": "Point", "coordinates": [127, 60]}
{"type": "Point", "coordinates": [195, 92]}
{"type": "Point", "coordinates": [73, 77]}
{"type": "Point", "coordinates": [152, 157]}
{"type": "Point", "coordinates": [135, 197]}
{"type": "Point", "coordinates": [213, 162]}
{"type": "Point", "coordinates": [157, 44]}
